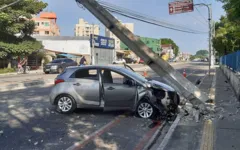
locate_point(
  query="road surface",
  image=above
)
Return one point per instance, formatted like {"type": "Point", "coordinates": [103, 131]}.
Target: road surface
{"type": "Point", "coordinates": [28, 121]}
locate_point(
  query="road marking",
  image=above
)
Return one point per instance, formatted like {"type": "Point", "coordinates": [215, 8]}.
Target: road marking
{"type": "Point", "coordinates": [99, 132]}
{"type": "Point", "coordinates": [212, 89]}
{"type": "Point", "coordinates": [154, 137]}
{"type": "Point", "coordinates": [207, 138]}
{"type": "Point", "coordinates": [147, 136]}
{"type": "Point", "coordinates": [169, 133]}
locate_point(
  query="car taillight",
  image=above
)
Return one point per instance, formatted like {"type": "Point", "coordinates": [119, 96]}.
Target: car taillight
{"type": "Point", "coordinates": [58, 81]}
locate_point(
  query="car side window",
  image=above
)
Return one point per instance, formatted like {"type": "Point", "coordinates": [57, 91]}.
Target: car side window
{"type": "Point", "coordinates": [90, 74]}
{"type": "Point", "coordinates": [109, 76]}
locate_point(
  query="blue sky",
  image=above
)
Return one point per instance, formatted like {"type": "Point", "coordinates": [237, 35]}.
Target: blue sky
{"type": "Point", "coordinates": [68, 14]}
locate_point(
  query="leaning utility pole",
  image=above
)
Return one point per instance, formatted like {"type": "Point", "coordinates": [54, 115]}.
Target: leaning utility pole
{"type": "Point", "coordinates": [161, 67]}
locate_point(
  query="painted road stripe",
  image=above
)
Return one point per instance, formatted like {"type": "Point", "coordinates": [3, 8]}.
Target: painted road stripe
{"type": "Point", "coordinates": [169, 133]}
{"type": "Point", "coordinates": [207, 138]}
{"type": "Point", "coordinates": [154, 137]}
{"type": "Point", "coordinates": [99, 132]}
{"type": "Point", "coordinates": [147, 136]}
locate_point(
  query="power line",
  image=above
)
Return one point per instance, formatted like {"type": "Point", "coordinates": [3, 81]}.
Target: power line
{"type": "Point", "coordinates": [201, 14]}
{"type": "Point", "coordinates": [135, 15]}
{"type": "Point", "coordinates": [117, 8]}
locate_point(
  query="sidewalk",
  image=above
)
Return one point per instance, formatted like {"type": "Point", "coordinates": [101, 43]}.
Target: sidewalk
{"type": "Point", "coordinates": [227, 120]}
{"type": "Point", "coordinates": [15, 73]}
{"type": "Point", "coordinates": [218, 132]}
{"type": "Point", "coordinates": [188, 133]}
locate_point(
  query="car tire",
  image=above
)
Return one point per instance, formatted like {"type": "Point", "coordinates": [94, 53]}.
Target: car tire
{"type": "Point", "coordinates": [145, 110]}
{"type": "Point", "coordinates": [59, 70]}
{"type": "Point", "coordinates": [46, 72]}
{"type": "Point", "coordinates": [65, 104]}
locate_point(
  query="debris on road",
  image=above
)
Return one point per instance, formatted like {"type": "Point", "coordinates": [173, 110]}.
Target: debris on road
{"type": "Point", "coordinates": [36, 143]}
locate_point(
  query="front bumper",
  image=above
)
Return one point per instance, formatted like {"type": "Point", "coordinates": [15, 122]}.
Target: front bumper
{"type": "Point", "coordinates": [50, 70]}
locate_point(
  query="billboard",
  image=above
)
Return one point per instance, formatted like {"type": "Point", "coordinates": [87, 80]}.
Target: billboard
{"type": "Point", "coordinates": [180, 6]}
{"type": "Point", "coordinates": [102, 42]}
{"type": "Point", "coordinates": [68, 46]}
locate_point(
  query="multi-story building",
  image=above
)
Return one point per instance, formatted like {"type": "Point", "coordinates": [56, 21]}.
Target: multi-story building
{"type": "Point", "coordinates": [46, 24]}
{"type": "Point", "coordinates": [168, 49]}
{"type": "Point", "coordinates": [83, 28]}
{"type": "Point", "coordinates": [152, 43]}
{"type": "Point", "coordinates": [108, 33]}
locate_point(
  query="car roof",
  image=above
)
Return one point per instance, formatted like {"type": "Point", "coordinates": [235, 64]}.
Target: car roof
{"type": "Point", "coordinates": [98, 67]}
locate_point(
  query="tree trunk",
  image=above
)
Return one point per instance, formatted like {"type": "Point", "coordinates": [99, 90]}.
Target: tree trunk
{"type": "Point", "coordinates": [9, 63]}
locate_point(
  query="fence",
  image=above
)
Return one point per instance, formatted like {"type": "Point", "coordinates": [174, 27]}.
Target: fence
{"type": "Point", "coordinates": [232, 61]}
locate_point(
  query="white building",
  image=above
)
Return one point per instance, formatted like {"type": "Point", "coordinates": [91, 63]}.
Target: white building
{"type": "Point", "coordinates": [83, 28]}
{"type": "Point", "coordinates": [168, 49]}
{"type": "Point", "coordinates": [108, 33]}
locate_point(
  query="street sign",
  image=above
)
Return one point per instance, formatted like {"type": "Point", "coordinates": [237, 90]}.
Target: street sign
{"type": "Point", "coordinates": [180, 6]}
{"type": "Point", "coordinates": [102, 42]}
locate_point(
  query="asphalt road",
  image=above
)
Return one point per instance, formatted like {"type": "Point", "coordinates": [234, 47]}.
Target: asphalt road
{"type": "Point", "coordinates": [28, 121]}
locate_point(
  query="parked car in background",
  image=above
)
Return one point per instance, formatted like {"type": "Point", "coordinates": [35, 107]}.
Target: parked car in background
{"type": "Point", "coordinates": [58, 65]}
{"type": "Point", "coordinates": [119, 61]}
{"type": "Point", "coordinates": [112, 88]}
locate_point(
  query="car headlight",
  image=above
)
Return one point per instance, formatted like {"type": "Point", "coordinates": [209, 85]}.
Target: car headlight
{"type": "Point", "coordinates": [54, 67]}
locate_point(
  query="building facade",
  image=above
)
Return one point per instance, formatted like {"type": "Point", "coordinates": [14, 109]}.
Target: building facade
{"type": "Point", "coordinates": [168, 49]}
{"type": "Point", "coordinates": [108, 33]}
{"type": "Point", "coordinates": [152, 43]}
{"type": "Point", "coordinates": [83, 28]}
{"type": "Point", "coordinates": [46, 25]}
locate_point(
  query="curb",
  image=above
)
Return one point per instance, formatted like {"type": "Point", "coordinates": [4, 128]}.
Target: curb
{"type": "Point", "coordinates": [19, 86]}
{"type": "Point", "coordinates": [15, 73]}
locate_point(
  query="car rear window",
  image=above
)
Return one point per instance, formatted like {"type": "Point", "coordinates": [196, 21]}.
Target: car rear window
{"type": "Point", "coordinates": [90, 74]}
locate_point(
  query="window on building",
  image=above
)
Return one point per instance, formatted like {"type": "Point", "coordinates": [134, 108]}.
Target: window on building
{"type": "Point", "coordinates": [47, 32]}
{"type": "Point", "coordinates": [42, 23]}
{"type": "Point", "coordinates": [36, 32]}
{"type": "Point", "coordinates": [37, 23]}
{"type": "Point", "coordinates": [46, 24]}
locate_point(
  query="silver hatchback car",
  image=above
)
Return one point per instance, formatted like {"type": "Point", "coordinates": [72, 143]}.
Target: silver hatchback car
{"type": "Point", "coordinates": [112, 88]}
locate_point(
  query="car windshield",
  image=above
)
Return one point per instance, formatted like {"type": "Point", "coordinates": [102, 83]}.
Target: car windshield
{"type": "Point", "coordinates": [135, 75]}
{"type": "Point", "coordinates": [57, 61]}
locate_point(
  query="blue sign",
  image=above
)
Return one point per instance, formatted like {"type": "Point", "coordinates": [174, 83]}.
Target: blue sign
{"type": "Point", "coordinates": [102, 42]}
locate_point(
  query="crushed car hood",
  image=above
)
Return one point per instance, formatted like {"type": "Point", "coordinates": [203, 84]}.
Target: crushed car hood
{"type": "Point", "coordinates": [157, 84]}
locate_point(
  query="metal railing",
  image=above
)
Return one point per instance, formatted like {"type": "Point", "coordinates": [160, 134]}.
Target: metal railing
{"type": "Point", "coordinates": [232, 61]}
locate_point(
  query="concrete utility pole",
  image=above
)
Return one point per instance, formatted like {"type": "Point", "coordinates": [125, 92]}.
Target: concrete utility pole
{"type": "Point", "coordinates": [210, 33]}
{"type": "Point", "coordinates": [161, 67]}
{"type": "Point", "coordinates": [93, 46]}
{"type": "Point", "coordinates": [13, 3]}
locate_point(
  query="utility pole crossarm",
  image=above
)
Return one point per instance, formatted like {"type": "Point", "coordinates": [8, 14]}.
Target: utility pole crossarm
{"type": "Point", "coordinates": [161, 67]}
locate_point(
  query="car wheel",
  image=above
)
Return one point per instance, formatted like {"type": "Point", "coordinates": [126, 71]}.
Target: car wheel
{"type": "Point", "coordinates": [66, 104]}
{"type": "Point", "coordinates": [145, 109]}
{"type": "Point", "coordinates": [60, 70]}
{"type": "Point", "coordinates": [46, 72]}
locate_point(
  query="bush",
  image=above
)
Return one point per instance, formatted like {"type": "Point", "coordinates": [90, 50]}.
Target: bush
{"type": "Point", "coordinates": [7, 70]}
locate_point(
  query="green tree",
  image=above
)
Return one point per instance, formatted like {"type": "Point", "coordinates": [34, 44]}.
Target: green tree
{"type": "Point", "coordinates": [170, 41]}
{"type": "Point", "coordinates": [203, 53]}
{"type": "Point", "coordinates": [16, 19]}
{"type": "Point", "coordinates": [232, 9]}
{"type": "Point", "coordinates": [227, 38]}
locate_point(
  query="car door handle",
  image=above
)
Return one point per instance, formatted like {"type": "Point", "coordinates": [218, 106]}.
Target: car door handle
{"type": "Point", "coordinates": [77, 84]}
{"type": "Point", "coordinates": [110, 88]}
